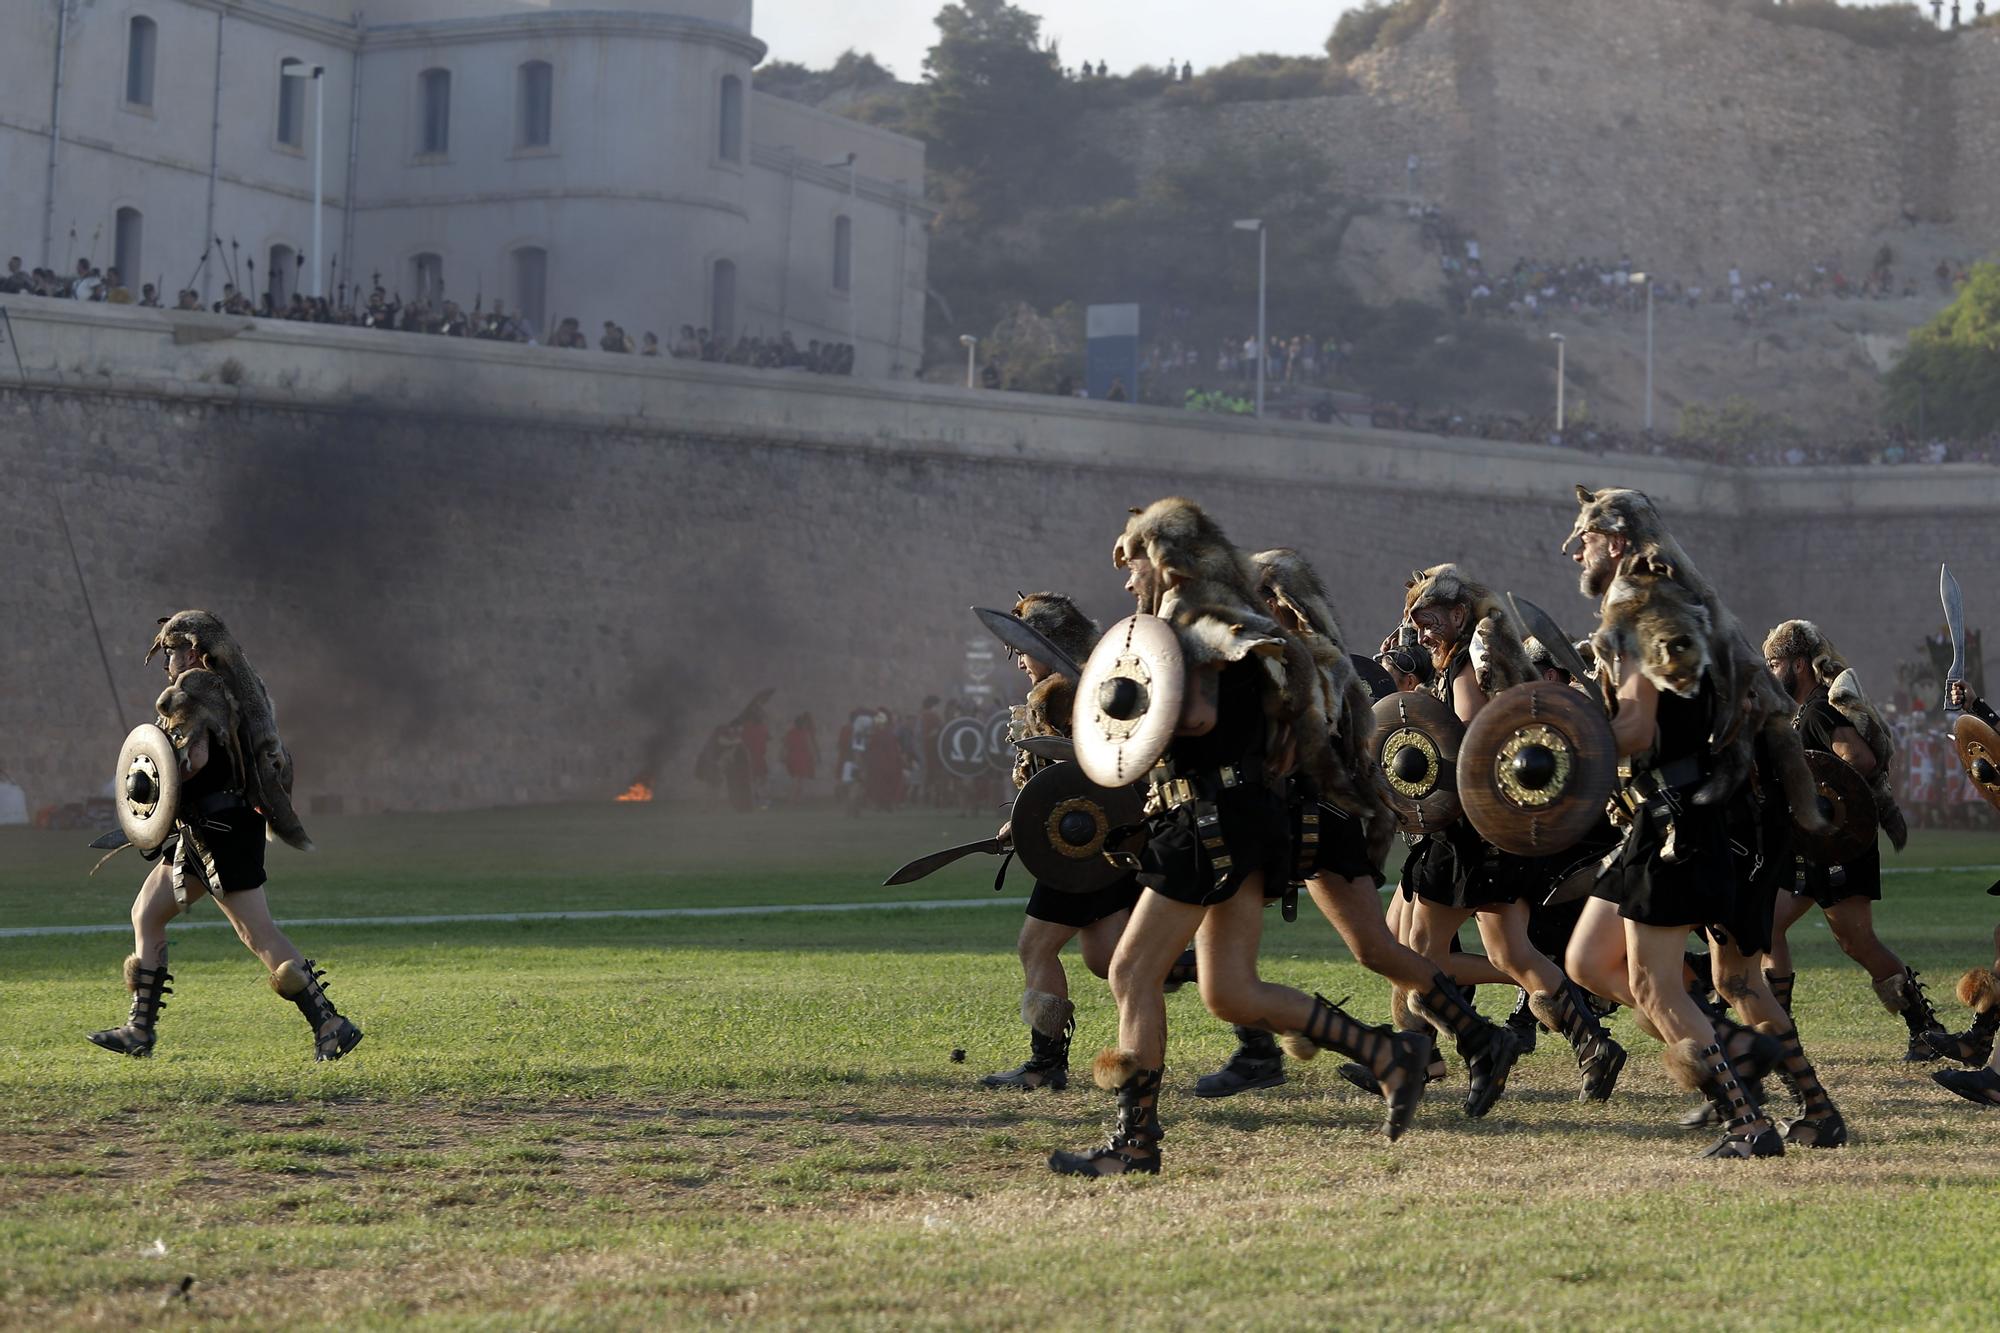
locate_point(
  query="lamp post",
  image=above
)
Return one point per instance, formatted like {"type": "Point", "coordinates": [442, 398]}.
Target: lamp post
{"type": "Point", "coordinates": [298, 69]}
{"type": "Point", "coordinates": [1560, 343]}
{"type": "Point", "coordinates": [1646, 282]}
{"type": "Point", "coordinates": [1263, 349]}
{"type": "Point", "coordinates": [971, 345]}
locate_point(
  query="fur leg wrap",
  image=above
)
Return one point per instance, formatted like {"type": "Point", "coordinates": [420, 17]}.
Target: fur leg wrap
{"type": "Point", "coordinates": [1045, 1013]}
{"type": "Point", "coordinates": [302, 985]}
{"type": "Point", "coordinates": [1979, 991]}
{"type": "Point", "coordinates": [1112, 1070]}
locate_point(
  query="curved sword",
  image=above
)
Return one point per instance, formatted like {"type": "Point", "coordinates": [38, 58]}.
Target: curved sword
{"type": "Point", "coordinates": [1022, 637]}
{"type": "Point", "coordinates": [1954, 619]}
{"type": "Point", "coordinates": [1550, 635]}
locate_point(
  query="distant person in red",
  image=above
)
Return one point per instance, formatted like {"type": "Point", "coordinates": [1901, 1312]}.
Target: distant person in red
{"type": "Point", "coordinates": [756, 749]}
{"type": "Point", "coordinates": [801, 754]}
{"type": "Point", "coordinates": [882, 766]}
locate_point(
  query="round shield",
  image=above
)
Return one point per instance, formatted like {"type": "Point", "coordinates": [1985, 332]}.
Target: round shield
{"type": "Point", "coordinates": [1978, 748]}
{"type": "Point", "coordinates": [999, 750]}
{"type": "Point", "coordinates": [1416, 743]}
{"type": "Point", "coordinates": [1536, 767]}
{"type": "Point", "coordinates": [1063, 825]}
{"type": "Point", "coordinates": [1846, 803]}
{"type": "Point", "coordinates": [147, 786]}
{"type": "Point", "coordinates": [1129, 700]}
{"type": "Point", "coordinates": [961, 747]}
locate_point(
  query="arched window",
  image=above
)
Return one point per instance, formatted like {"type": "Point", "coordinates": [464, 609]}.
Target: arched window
{"type": "Point", "coordinates": [291, 107]}
{"type": "Point", "coordinates": [843, 252]}
{"type": "Point", "coordinates": [535, 94]}
{"type": "Point", "coordinates": [281, 279]}
{"type": "Point", "coordinates": [127, 235]}
{"type": "Point", "coordinates": [729, 143]}
{"type": "Point", "coordinates": [722, 301]}
{"type": "Point", "coordinates": [434, 111]}
{"type": "Point", "coordinates": [142, 37]}
{"type": "Point", "coordinates": [531, 287]}
{"type": "Point", "coordinates": [427, 279]}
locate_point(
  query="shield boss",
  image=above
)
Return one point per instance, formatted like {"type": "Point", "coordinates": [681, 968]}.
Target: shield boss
{"type": "Point", "coordinates": [1536, 768]}
{"type": "Point", "coordinates": [1978, 748]}
{"type": "Point", "coordinates": [1129, 701]}
{"type": "Point", "coordinates": [1063, 825]}
{"type": "Point", "coordinates": [147, 786]}
{"type": "Point", "coordinates": [1416, 743]}
{"type": "Point", "coordinates": [1847, 804]}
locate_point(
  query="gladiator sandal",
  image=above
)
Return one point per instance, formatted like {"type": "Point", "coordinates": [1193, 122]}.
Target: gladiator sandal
{"type": "Point", "coordinates": [1781, 987]}
{"type": "Point", "coordinates": [1523, 1023]}
{"type": "Point", "coordinates": [1751, 1054]}
{"type": "Point", "coordinates": [1706, 1070]}
{"type": "Point", "coordinates": [1051, 1023]}
{"type": "Point", "coordinates": [1489, 1050]}
{"type": "Point", "coordinates": [1598, 1054]}
{"type": "Point", "coordinates": [1820, 1124]}
{"type": "Point", "coordinates": [1975, 1085]}
{"type": "Point", "coordinates": [333, 1035]}
{"type": "Point", "coordinates": [1902, 993]}
{"type": "Point", "coordinates": [1978, 990]}
{"type": "Point", "coordinates": [1135, 1144]}
{"type": "Point", "coordinates": [149, 996]}
{"type": "Point", "coordinates": [1398, 1060]}
{"type": "Point", "coordinates": [1257, 1063]}
{"type": "Point", "coordinates": [1402, 1019]}
{"type": "Point", "coordinates": [1181, 973]}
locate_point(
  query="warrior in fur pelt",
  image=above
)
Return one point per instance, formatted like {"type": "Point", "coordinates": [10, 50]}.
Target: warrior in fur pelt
{"type": "Point", "coordinates": [1494, 641]}
{"type": "Point", "coordinates": [1803, 639]}
{"type": "Point", "coordinates": [1051, 697]}
{"type": "Point", "coordinates": [216, 847]}
{"type": "Point", "coordinates": [269, 775]}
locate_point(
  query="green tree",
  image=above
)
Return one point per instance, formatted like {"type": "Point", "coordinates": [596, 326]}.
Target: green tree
{"type": "Point", "coordinates": [995, 105]}
{"type": "Point", "coordinates": [1950, 373]}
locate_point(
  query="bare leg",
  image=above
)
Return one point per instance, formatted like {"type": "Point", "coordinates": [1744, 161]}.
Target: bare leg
{"type": "Point", "coordinates": [1040, 948]}
{"type": "Point", "coordinates": [1790, 907]}
{"type": "Point", "coordinates": [1352, 909]}
{"type": "Point", "coordinates": [1653, 962]}
{"type": "Point", "coordinates": [1596, 955]}
{"type": "Point", "coordinates": [1226, 954]}
{"type": "Point", "coordinates": [1159, 929]}
{"type": "Point", "coordinates": [248, 911]}
{"type": "Point", "coordinates": [1504, 930]}
{"type": "Point", "coordinates": [1099, 941]}
{"type": "Point", "coordinates": [1853, 923]}
{"type": "Point", "coordinates": [1432, 929]}
{"type": "Point", "coordinates": [151, 910]}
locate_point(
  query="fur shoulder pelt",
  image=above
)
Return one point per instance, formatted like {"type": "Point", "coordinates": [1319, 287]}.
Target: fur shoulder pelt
{"type": "Point", "coordinates": [268, 775]}
{"type": "Point", "coordinates": [1802, 638]}
{"type": "Point", "coordinates": [1061, 622]}
{"type": "Point", "coordinates": [199, 702]}
{"type": "Point", "coordinates": [1209, 586]}
{"type": "Point", "coordinates": [1499, 656]}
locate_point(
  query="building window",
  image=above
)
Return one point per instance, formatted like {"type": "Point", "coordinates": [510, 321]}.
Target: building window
{"type": "Point", "coordinates": [427, 279]}
{"type": "Point", "coordinates": [434, 98]}
{"type": "Point", "coordinates": [843, 253]}
{"type": "Point", "coordinates": [141, 38]}
{"type": "Point", "coordinates": [281, 280]}
{"type": "Point", "coordinates": [729, 143]}
{"type": "Point", "coordinates": [722, 302]}
{"type": "Point", "coordinates": [531, 286]}
{"type": "Point", "coordinates": [291, 107]}
{"type": "Point", "coordinates": [535, 94]}
{"type": "Point", "coordinates": [128, 233]}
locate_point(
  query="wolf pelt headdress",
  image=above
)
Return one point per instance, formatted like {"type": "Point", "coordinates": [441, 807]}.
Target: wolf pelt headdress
{"type": "Point", "coordinates": [1802, 638]}
{"type": "Point", "coordinates": [1345, 770]}
{"type": "Point", "coordinates": [1210, 598]}
{"type": "Point", "coordinates": [1051, 702]}
{"type": "Point", "coordinates": [1499, 656]}
{"type": "Point", "coordinates": [263, 764]}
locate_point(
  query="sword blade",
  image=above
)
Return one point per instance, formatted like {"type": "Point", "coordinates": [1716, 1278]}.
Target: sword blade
{"type": "Point", "coordinates": [1058, 748]}
{"type": "Point", "coordinates": [1954, 619]}
{"type": "Point", "coordinates": [1022, 637]}
{"type": "Point", "coordinates": [112, 841]}
{"type": "Point", "coordinates": [936, 861]}
{"type": "Point", "coordinates": [1550, 635]}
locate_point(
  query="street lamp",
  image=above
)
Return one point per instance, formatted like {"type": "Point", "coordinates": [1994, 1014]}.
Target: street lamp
{"type": "Point", "coordinates": [1642, 281]}
{"type": "Point", "coordinates": [1263, 238]}
{"type": "Point", "coordinates": [1560, 343]}
{"type": "Point", "coordinates": [298, 69]}
{"type": "Point", "coordinates": [971, 345]}
{"type": "Point", "coordinates": [852, 229]}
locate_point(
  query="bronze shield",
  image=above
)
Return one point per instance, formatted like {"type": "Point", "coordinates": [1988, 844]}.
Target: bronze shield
{"type": "Point", "coordinates": [1063, 824]}
{"type": "Point", "coordinates": [1847, 804]}
{"type": "Point", "coordinates": [147, 786]}
{"type": "Point", "coordinates": [1129, 701]}
{"type": "Point", "coordinates": [1416, 743]}
{"type": "Point", "coordinates": [1536, 767]}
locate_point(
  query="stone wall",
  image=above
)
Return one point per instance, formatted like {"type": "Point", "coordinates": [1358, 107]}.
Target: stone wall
{"type": "Point", "coordinates": [1688, 134]}
{"type": "Point", "coordinates": [478, 574]}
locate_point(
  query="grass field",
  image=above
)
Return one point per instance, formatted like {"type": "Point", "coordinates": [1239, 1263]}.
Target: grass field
{"type": "Point", "coordinates": [652, 1123]}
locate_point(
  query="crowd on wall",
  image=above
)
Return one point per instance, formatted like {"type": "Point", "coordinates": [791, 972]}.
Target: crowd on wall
{"type": "Point", "coordinates": [381, 309]}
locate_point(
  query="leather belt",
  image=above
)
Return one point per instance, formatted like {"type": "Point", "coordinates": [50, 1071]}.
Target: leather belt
{"type": "Point", "coordinates": [1177, 792]}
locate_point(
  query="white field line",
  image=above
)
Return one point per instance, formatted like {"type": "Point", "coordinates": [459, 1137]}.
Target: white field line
{"type": "Point", "coordinates": [620, 914]}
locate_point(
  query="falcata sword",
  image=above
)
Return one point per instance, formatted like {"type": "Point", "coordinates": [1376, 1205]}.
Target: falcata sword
{"type": "Point", "coordinates": [1550, 635]}
{"type": "Point", "coordinates": [1954, 619]}
{"type": "Point", "coordinates": [936, 861]}
{"type": "Point", "coordinates": [1022, 637]}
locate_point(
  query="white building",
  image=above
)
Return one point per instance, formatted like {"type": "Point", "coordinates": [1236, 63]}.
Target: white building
{"type": "Point", "coordinates": [606, 159]}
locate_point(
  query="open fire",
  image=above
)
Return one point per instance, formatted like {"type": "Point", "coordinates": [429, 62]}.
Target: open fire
{"type": "Point", "coordinates": [638, 791]}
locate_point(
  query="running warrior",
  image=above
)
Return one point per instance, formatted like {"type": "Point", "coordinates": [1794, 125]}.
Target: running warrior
{"type": "Point", "coordinates": [236, 777]}
{"type": "Point", "coordinates": [1218, 837]}
{"type": "Point", "coordinates": [1054, 918]}
{"type": "Point", "coordinates": [1834, 715]}
{"type": "Point", "coordinates": [1979, 988]}
{"type": "Point", "coordinates": [1458, 875]}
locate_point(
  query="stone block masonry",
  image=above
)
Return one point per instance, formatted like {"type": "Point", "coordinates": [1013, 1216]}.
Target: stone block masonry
{"type": "Point", "coordinates": [476, 574]}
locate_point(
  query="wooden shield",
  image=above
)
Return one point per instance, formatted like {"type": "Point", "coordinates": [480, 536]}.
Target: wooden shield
{"type": "Point", "coordinates": [1416, 743]}
{"type": "Point", "coordinates": [1129, 701]}
{"type": "Point", "coordinates": [1063, 825]}
{"type": "Point", "coordinates": [1536, 767]}
{"type": "Point", "coordinates": [147, 786]}
{"type": "Point", "coordinates": [1849, 807]}
{"type": "Point", "coordinates": [1978, 748]}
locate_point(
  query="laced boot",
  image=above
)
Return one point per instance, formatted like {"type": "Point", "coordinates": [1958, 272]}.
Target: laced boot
{"type": "Point", "coordinates": [333, 1035]}
{"type": "Point", "coordinates": [149, 996]}
{"type": "Point", "coordinates": [1489, 1050]}
{"type": "Point", "coordinates": [1135, 1143]}
{"type": "Point", "coordinates": [1598, 1055]}
{"type": "Point", "coordinates": [1781, 987]}
{"type": "Point", "coordinates": [1398, 1060]}
{"type": "Point", "coordinates": [1257, 1063]}
{"type": "Point", "coordinates": [1902, 994]}
{"type": "Point", "coordinates": [1523, 1023]}
{"type": "Point", "coordinates": [1402, 1020]}
{"type": "Point", "coordinates": [1975, 1085]}
{"type": "Point", "coordinates": [1747, 1132]}
{"type": "Point", "coordinates": [1979, 991]}
{"type": "Point", "coordinates": [1051, 1023]}
{"type": "Point", "coordinates": [1751, 1054]}
{"type": "Point", "coordinates": [1820, 1124]}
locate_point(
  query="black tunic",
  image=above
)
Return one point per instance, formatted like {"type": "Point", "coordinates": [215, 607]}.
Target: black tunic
{"type": "Point", "coordinates": [1816, 721]}
{"type": "Point", "coordinates": [1697, 887]}
{"type": "Point", "coordinates": [232, 831]}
